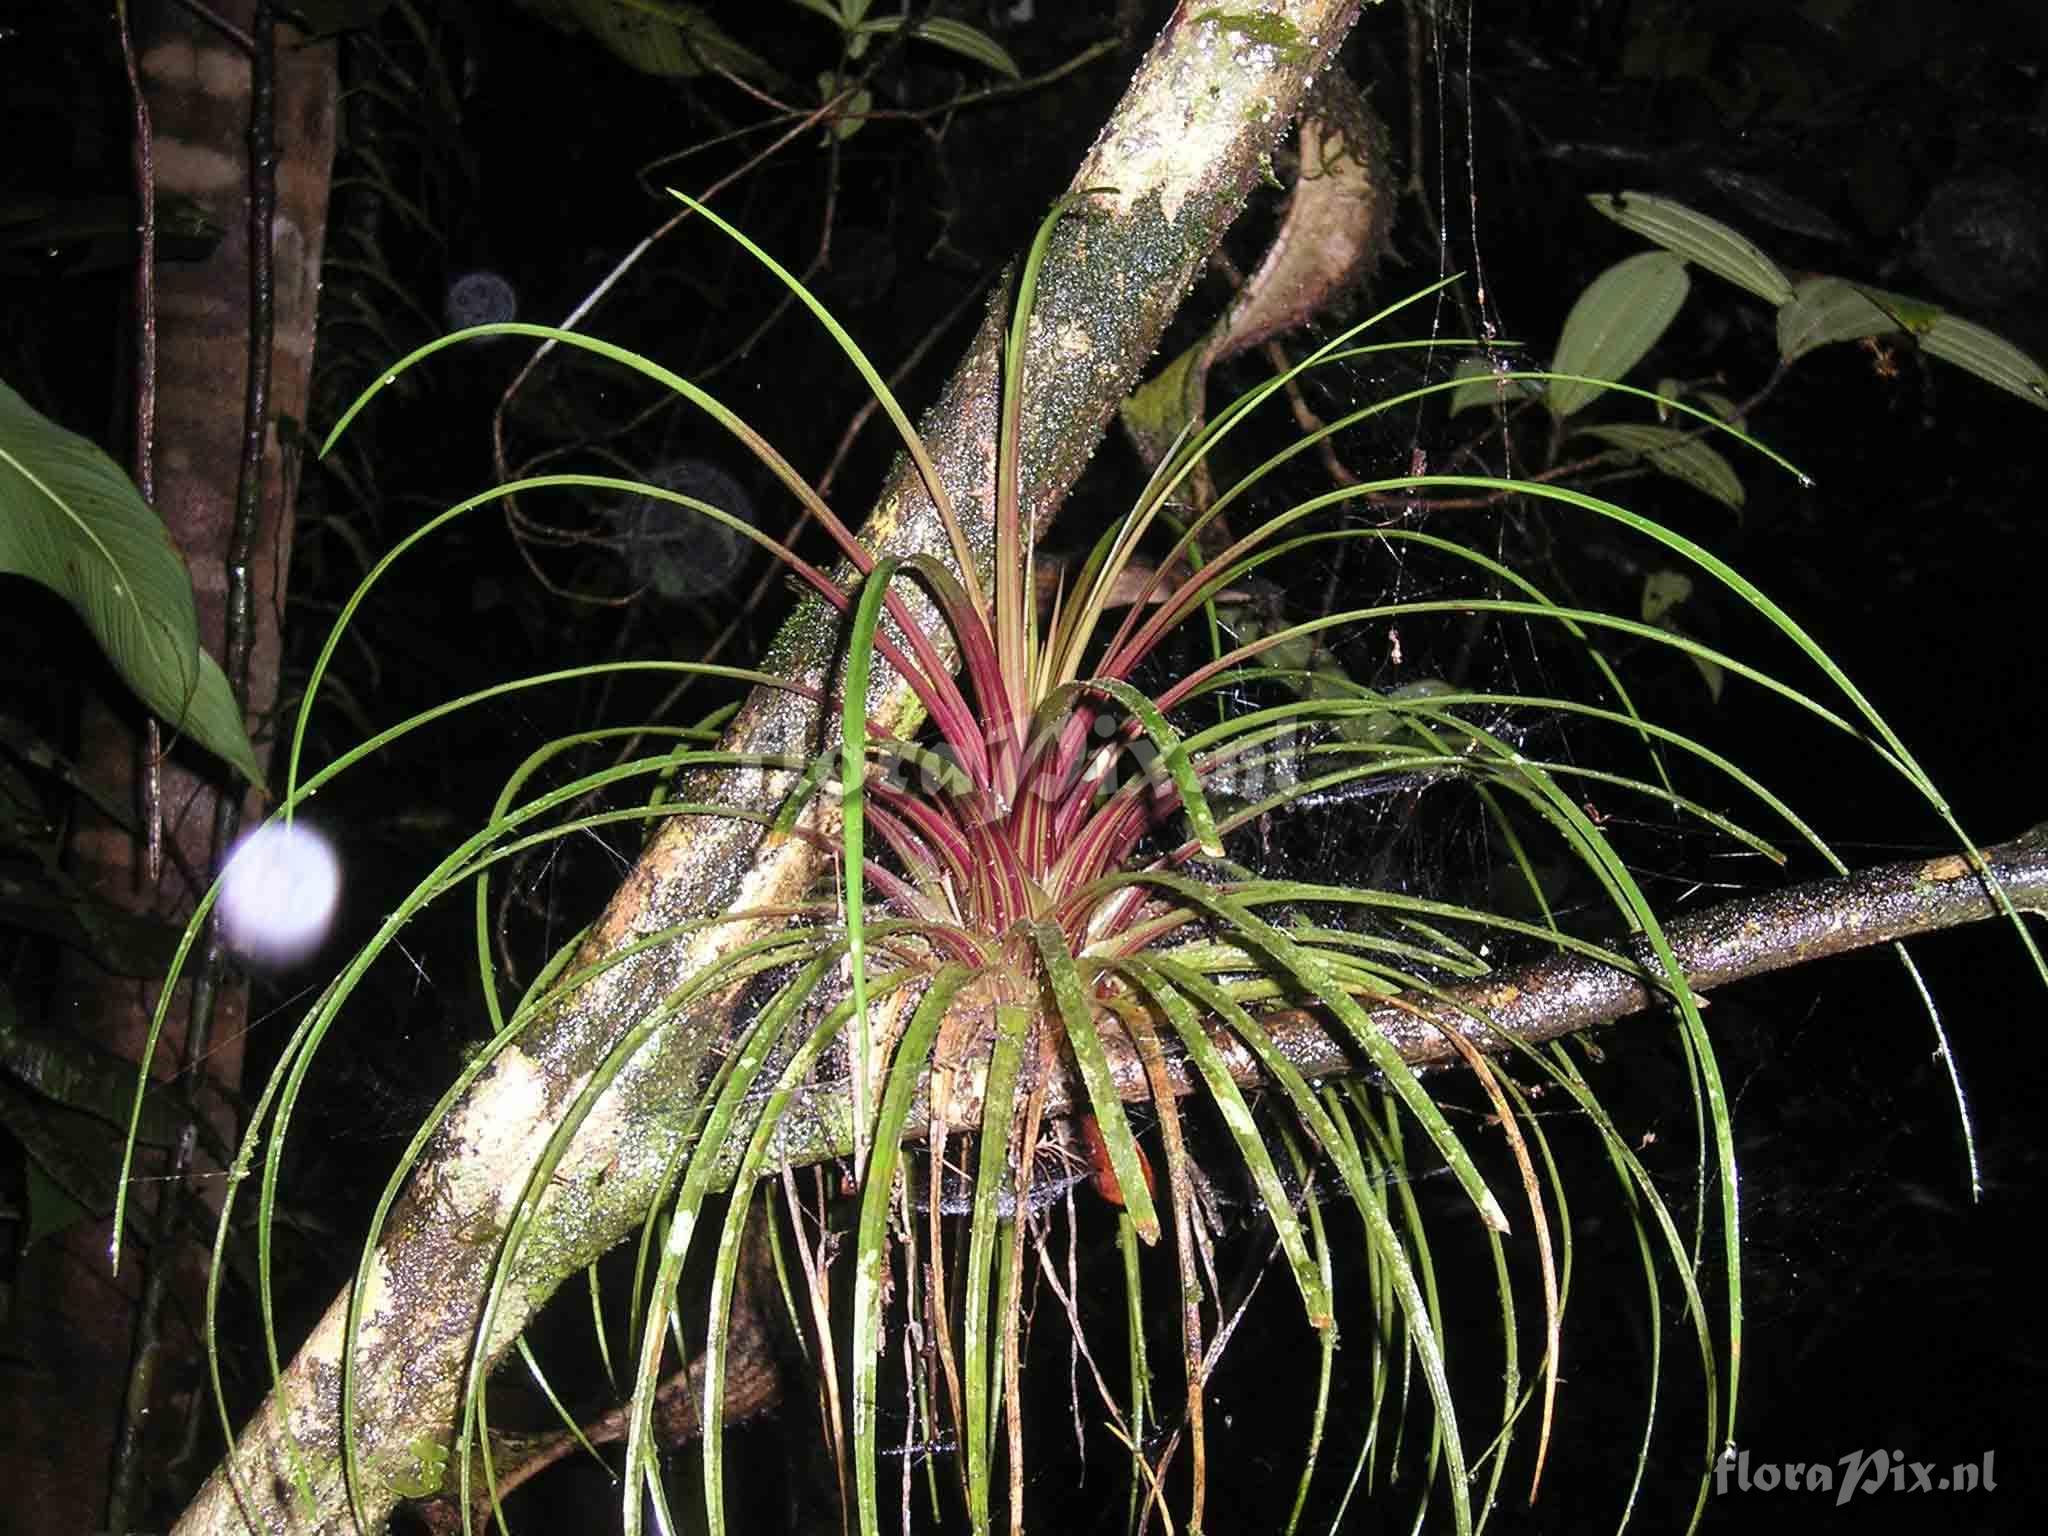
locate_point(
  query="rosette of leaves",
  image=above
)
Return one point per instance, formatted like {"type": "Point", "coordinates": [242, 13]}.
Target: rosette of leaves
{"type": "Point", "coordinates": [1041, 878]}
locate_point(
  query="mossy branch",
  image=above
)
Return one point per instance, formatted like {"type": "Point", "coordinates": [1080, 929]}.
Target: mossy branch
{"type": "Point", "coordinates": [1562, 993]}
{"type": "Point", "coordinates": [1169, 172]}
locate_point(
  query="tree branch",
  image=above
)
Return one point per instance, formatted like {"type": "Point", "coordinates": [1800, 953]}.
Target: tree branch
{"type": "Point", "coordinates": [1170, 171]}
{"type": "Point", "coordinates": [1561, 994]}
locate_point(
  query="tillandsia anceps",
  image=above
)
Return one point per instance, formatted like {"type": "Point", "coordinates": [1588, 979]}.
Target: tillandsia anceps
{"type": "Point", "coordinates": [1042, 875]}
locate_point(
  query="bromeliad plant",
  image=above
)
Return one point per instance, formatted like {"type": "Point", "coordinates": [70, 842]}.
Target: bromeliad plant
{"type": "Point", "coordinates": [1039, 883]}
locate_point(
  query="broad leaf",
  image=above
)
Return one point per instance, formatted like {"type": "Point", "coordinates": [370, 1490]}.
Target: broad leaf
{"type": "Point", "coordinates": [121, 942]}
{"type": "Point", "coordinates": [71, 235]}
{"type": "Point", "coordinates": [659, 37]}
{"type": "Point", "coordinates": [71, 521]}
{"type": "Point", "coordinates": [1618, 318]}
{"type": "Point", "coordinates": [969, 42]}
{"type": "Point", "coordinates": [51, 1207]}
{"type": "Point", "coordinates": [1988, 355]}
{"type": "Point", "coordinates": [1824, 310]}
{"type": "Point", "coordinates": [1697, 238]}
{"type": "Point", "coordinates": [1664, 593]}
{"type": "Point", "coordinates": [1476, 385]}
{"type": "Point", "coordinates": [1680, 455]}
{"type": "Point", "coordinates": [1829, 309]}
{"type": "Point", "coordinates": [61, 1069]}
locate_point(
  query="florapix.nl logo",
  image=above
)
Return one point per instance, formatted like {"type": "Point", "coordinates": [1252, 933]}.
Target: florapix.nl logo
{"type": "Point", "coordinates": [1859, 1472]}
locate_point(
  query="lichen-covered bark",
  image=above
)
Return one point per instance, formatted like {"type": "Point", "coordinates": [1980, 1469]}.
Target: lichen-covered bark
{"type": "Point", "coordinates": [1177, 159]}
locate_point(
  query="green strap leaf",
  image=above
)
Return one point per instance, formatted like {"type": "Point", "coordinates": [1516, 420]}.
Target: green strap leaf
{"type": "Point", "coordinates": [871, 1263]}
{"type": "Point", "coordinates": [1395, 1270]}
{"type": "Point", "coordinates": [1071, 995]}
{"type": "Point", "coordinates": [1244, 1131]}
{"type": "Point", "coordinates": [1310, 972]}
{"type": "Point", "coordinates": [1173, 752]}
{"type": "Point", "coordinates": [853, 770]}
{"type": "Point", "coordinates": [1013, 1031]}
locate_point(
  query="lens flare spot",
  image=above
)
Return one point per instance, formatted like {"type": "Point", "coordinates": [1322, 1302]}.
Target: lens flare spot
{"type": "Point", "coordinates": [479, 298]}
{"type": "Point", "coordinates": [278, 894]}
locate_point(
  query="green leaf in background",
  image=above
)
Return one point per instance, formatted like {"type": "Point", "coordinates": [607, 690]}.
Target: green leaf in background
{"type": "Point", "coordinates": [57, 1067]}
{"type": "Point", "coordinates": [1988, 355]}
{"type": "Point", "coordinates": [1721, 405]}
{"type": "Point", "coordinates": [1480, 386]}
{"type": "Point", "coordinates": [954, 35]}
{"type": "Point", "coordinates": [1476, 385]}
{"type": "Point", "coordinates": [1916, 317]}
{"type": "Point", "coordinates": [1676, 391]}
{"type": "Point", "coordinates": [62, 1102]}
{"type": "Point", "coordinates": [1160, 409]}
{"type": "Point", "coordinates": [67, 236]}
{"type": "Point", "coordinates": [1830, 309]}
{"type": "Point", "coordinates": [1697, 238]}
{"type": "Point", "coordinates": [1618, 318]}
{"type": "Point", "coordinates": [854, 111]}
{"type": "Point", "coordinates": [659, 37]}
{"type": "Point", "coordinates": [71, 521]}
{"type": "Point", "coordinates": [1680, 455]}
{"type": "Point", "coordinates": [1825, 310]}
{"type": "Point", "coordinates": [1664, 593]}
{"type": "Point", "coordinates": [50, 903]}
{"type": "Point", "coordinates": [50, 1208]}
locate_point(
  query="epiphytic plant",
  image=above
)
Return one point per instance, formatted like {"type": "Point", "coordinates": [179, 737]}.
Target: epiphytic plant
{"type": "Point", "coordinates": [1041, 882]}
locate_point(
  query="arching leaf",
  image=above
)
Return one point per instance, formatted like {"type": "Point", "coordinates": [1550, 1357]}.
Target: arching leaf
{"type": "Point", "coordinates": [1697, 238]}
{"type": "Point", "coordinates": [659, 37]}
{"type": "Point", "coordinates": [956, 36]}
{"type": "Point", "coordinates": [70, 520]}
{"type": "Point", "coordinates": [1989, 356]}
